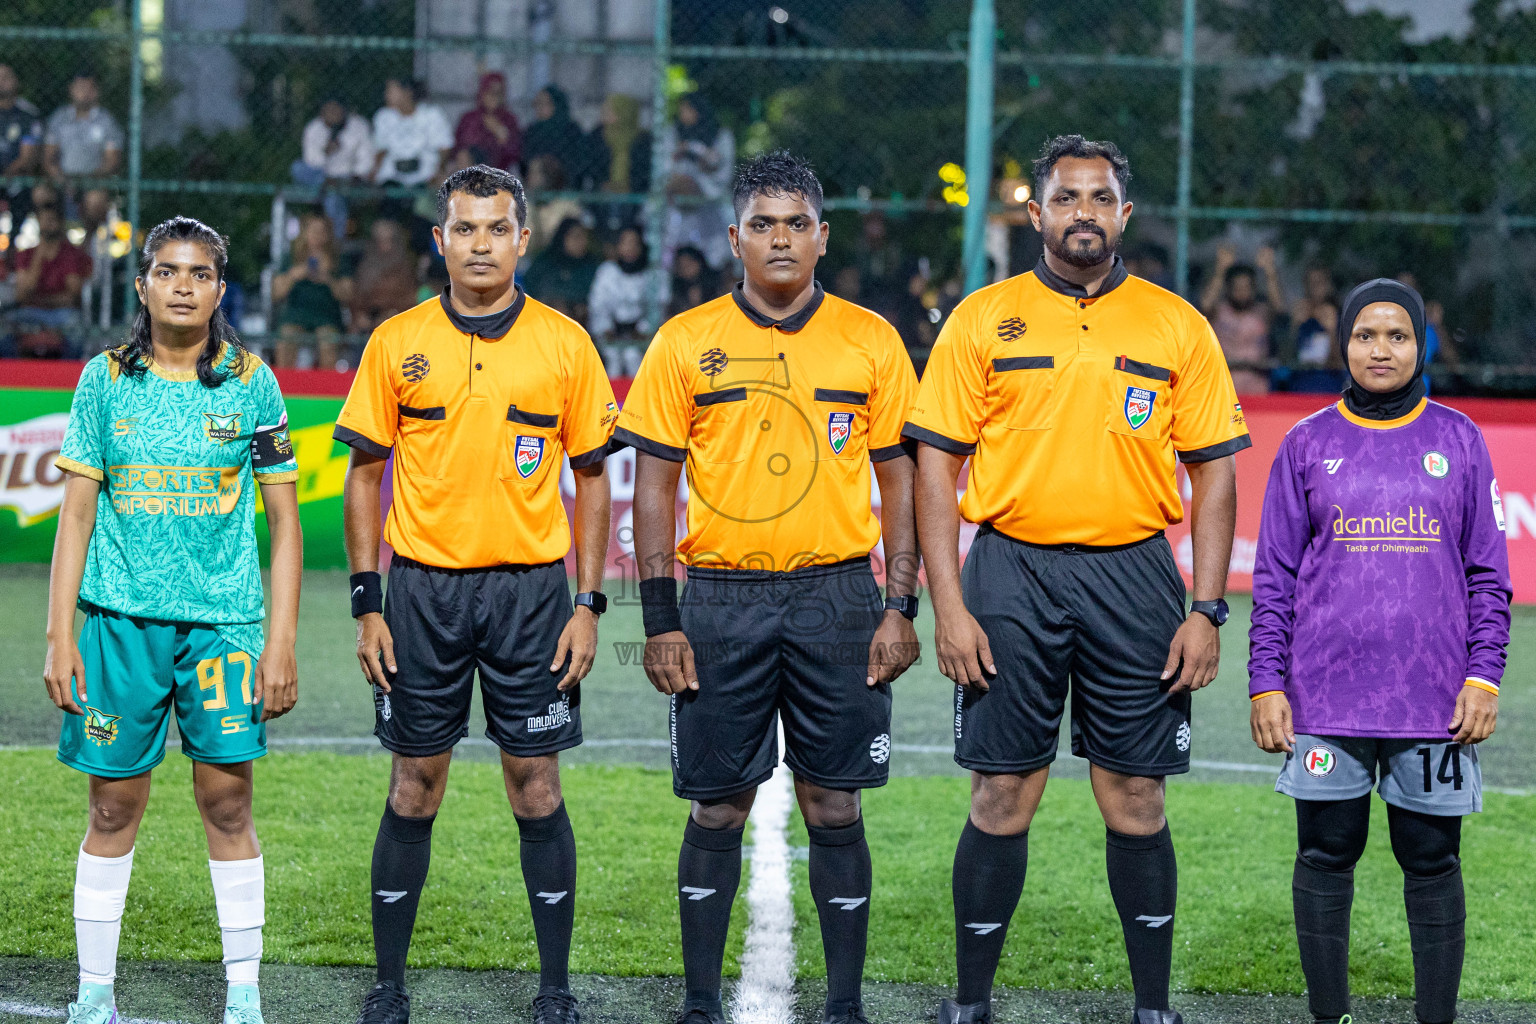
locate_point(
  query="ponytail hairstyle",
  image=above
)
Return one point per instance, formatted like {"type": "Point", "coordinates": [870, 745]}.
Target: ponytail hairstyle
{"type": "Point", "coordinates": [134, 357]}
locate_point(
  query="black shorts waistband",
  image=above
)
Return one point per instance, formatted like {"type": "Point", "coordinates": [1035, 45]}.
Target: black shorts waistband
{"type": "Point", "coordinates": [513, 567]}
{"type": "Point", "coordinates": [1092, 549]}
{"type": "Point", "coordinates": [805, 572]}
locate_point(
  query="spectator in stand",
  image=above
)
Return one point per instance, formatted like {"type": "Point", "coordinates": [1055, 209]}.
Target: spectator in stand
{"type": "Point", "coordinates": [49, 277]}
{"type": "Point", "coordinates": [412, 137]}
{"type": "Point", "coordinates": [337, 150]}
{"type": "Point", "coordinates": [693, 282]}
{"type": "Point", "coordinates": [312, 288]}
{"type": "Point", "coordinates": [21, 136]}
{"type": "Point", "coordinates": [489, 130]}
{"type": "Point", "coordinates": [1317, 287]}
{"type": "Point", "coordinates": [625, 142]}
{"type": "Point", "coordinates": [624, 153]}
{"type": "Point", "coordinates": [83, 141]}
{"type": "Point", "coordinates": [1437, 342]}
{"type": "Point", "coordinates": [1242, 318]}
{"type": "Point", "coordinates": [545, 175]}
{"type": "Point", "coordinates": [385, 280]}
{"type": "Point", "coordinates": [702, 160]}
{"type": "Point", "coordinates": [561, 276]}
{"type": "Point", "coordinates": [557, 134]}
{"type": "Point", "coordinates": [616, 306]}
{"type": "Point", "coordinates": [1320, 366]}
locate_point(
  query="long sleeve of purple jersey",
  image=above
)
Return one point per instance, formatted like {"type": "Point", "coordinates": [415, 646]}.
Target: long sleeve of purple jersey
{"type": "Point", "coordinates": [1485, 560]}
{"type": "Point", "coordinates": [1284, 531]}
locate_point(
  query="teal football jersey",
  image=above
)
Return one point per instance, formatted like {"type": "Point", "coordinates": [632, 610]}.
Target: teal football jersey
{"type": "Point", "coordinates": [175, 535]}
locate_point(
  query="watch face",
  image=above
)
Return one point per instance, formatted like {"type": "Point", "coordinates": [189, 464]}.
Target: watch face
{"type": "Point", "coordinates": [1222, 613]}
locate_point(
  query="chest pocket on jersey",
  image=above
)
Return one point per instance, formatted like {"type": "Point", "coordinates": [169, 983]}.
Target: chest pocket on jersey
{"type": "Point", "coordinates": [422, 447]}
{"type": "Point", "coordinates": [1026, 389]}
{"type": "Point", "coordinates": [719, 426]}
{"type": "Point", "coordinates": [1140, 400]}
{"type": "Point", "coordinates": [529, 445]}
{"type": "Point", "coordinates": [842, 418]}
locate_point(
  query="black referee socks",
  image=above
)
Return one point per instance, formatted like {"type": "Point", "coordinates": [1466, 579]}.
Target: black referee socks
{"type": "Point", "coordinates": [401, 854]}
{"type": "Point", "coordinates": [708, 872]}
{"type": "Point", "coordinates": [988, 880]}
{"type": "Point", "coordinates": [1144, 881]}
{"type": "Point", "coordinates": [840, 884]}
{"type": "Point", "coordinates": [547, 848]}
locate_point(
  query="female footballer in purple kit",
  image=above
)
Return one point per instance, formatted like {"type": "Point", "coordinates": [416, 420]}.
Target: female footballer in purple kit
{"type": "Point", "coordinates": [1380, 620]}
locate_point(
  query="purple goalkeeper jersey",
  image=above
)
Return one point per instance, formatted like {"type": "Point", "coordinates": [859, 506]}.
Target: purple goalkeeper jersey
{"type": "Point", "coordinates": [1381, 583]}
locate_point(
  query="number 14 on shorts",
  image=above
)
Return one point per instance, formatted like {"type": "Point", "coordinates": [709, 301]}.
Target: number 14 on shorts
{"type": "Point", "coordinates": [1449, 772]}
{"type": "Point", "coordinates": [211, 676]}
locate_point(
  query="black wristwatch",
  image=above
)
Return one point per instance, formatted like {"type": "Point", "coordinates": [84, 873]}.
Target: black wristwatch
{"type": "Point", "coordinates": [593, 599]}
{"type": "Point", "coordinates": [1216, 611]}
{"type": "Point", "coordinates": [906, 604]}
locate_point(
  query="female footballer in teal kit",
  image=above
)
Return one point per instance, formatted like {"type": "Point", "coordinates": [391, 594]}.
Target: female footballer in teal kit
{"type": "Point", "coordinates": [168, 436]}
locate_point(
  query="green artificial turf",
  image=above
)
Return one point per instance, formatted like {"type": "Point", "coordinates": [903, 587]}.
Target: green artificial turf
{"type": "Point", "coordinates": [1234, 930]}
{"type": "Point", "coordinates": [317, 814]}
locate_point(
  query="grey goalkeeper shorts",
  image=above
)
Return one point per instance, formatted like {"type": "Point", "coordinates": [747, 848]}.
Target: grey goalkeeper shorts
{"type": "Point", "coordinates": [1428, 776]}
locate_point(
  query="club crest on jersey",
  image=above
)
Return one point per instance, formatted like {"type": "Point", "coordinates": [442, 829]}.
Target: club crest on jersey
{"type": "Point", "coordinates": [1436, 465]}
{"type": "Point", "coordinates": [100, 727]}
{"type": "Point", "coordinates": [527, 454]}
{"type": "Point", "coordinates": [1012, 329]}
{"type": "Point", "coordinates": [222, 429]}
{"type": "Point", "coordinates": [712, 362]}
{"type": "Point", "coordinates": [1138, 406]}
{"type": "Point", "coordinates": [839, 429]}
{"type": "Point", "coordinates": [415, 367]}
{"type": "Point", "coordinates": [1319, 761]}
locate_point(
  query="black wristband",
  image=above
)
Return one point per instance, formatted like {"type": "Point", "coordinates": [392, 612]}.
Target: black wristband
{"type": "Point", "coordinates": [658, 606]}
{"type": "Point", "coordinates": [367, 593]}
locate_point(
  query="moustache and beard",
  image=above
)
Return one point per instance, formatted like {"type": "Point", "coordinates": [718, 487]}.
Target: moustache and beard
{"type": "Point", "coordinates": [1082, 253]}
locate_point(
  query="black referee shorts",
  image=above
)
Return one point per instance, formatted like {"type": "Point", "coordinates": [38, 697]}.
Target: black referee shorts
{"type": "Point", "coordinates": [504, 621]}
{"type": "Point", "coordinates": [780, 644]}
{"type": "Point", "coordinates": [1097, 619]}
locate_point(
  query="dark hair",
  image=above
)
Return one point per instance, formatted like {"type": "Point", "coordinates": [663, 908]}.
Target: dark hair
{"type": "Point", "coordinates": [1238, 270]}
{"type": "Point", "coordinates": [1083, 149]}
{"type": "Point", "coordinates": [483, 181]}
{"type": "Point", "coordinates": [779, 174]}
{"type": "Point", "coordinates": [134, 357]}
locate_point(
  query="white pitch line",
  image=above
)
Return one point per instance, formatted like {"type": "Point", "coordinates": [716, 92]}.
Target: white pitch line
{"type": "Point", "coordinates": [32, 1010]}
{"type": "Point", "coordinates": [766, 993]}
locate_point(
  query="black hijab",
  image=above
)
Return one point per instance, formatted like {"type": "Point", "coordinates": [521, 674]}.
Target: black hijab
{"type": "Point", "coordinates": [1388, 405]}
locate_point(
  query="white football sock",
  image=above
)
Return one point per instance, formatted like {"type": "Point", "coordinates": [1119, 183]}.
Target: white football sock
{"type": "Point", "coordinates": [101, 889]}
{"type": "Point", "coordinates": [239, 890]}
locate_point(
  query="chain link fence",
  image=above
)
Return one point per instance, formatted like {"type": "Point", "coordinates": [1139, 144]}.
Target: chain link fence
{"type": "Point", "coordinates": [1286, 148]}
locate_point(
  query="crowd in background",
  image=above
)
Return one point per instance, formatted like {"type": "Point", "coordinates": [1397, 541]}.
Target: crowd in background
{"type": "Point", "coordinates": [364, 251]}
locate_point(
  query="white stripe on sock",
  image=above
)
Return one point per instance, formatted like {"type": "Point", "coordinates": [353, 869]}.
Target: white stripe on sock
{"type": "Point", "coordinates": [766, 993]}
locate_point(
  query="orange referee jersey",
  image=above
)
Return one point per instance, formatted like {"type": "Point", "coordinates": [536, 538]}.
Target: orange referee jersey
{"type": "Point", "coordinates": [778, 421]}
{"type": "Point", "coordinates": [1073, 407]}
{"type": "Point", "coordinates": [478, 411]}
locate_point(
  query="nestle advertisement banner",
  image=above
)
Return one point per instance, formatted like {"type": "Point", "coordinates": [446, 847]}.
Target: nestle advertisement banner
{"type": "Point", "coordinates": [33, 418]}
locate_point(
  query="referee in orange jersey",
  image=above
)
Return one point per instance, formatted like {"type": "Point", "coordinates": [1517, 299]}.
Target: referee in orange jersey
{"type": "Point", "coordinates": [1072, 389]}
{"type": "Point", "coordinates": [477, 393]}
{"type": "Point", "coordinates": [782, 401]}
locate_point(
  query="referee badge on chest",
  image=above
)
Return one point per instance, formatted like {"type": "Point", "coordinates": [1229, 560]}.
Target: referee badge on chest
{"type": "Point", "coordinates": [527, 455]}
{"type": "Point", "coordinates": [839, 429]}
{"type": "Point", "coordinates": [1138, 406]}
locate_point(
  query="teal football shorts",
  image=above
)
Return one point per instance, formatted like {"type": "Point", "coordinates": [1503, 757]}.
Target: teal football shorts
{"type": "Point", "coordinates": [137, 671]}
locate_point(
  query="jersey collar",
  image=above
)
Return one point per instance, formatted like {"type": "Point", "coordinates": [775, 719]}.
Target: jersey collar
{"type": "Point", "coordinates": [1056, 283]}
{"type": "Point", "coordinates": [1401, 421]}
{"type": "Point", "coordinates": [491, 326]}
{"type": "Point", "coordinates": [794, 322]}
